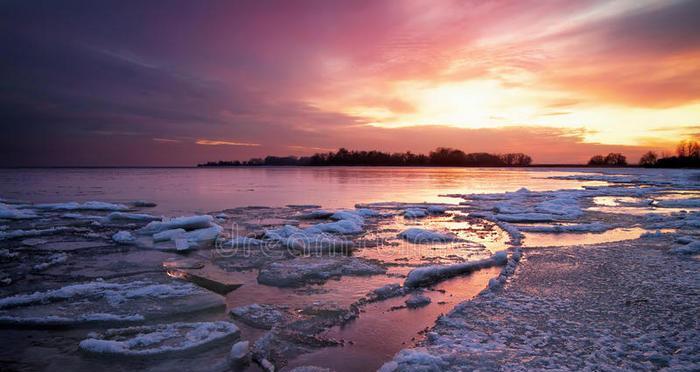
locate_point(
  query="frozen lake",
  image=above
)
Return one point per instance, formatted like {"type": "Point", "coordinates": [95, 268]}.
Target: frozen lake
{"type": "Point", "coordinates": [188, 190]}
{"type": "Point", "coordinates": [256, 259]}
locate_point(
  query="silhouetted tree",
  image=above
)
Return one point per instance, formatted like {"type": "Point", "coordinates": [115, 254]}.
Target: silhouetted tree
{"type": "Point", "coordinates": [648, 159]}
{"type": "Point", "coordinates": [615, 159]}
{"type": "Point", "coordinates": [597, 160]}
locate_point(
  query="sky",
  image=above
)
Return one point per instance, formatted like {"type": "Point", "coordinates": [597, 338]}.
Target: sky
{"type": "Point", "coordinates": [139, 83]}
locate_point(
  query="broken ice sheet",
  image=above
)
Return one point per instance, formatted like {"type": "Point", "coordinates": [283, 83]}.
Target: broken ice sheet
{"type": "Point", "coordinates": [159, 339]}
{"type": "Point", "coordinates": [104, 302]}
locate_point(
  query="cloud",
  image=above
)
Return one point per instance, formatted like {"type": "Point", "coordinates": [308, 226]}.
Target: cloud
{"type": "Point", "coordinates": [223, 143]}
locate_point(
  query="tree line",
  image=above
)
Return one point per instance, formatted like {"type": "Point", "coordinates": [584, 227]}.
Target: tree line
{"type": "Point", "coordinates": [442, 156]}
{"type": "Point", "coordinates": [687, 156]}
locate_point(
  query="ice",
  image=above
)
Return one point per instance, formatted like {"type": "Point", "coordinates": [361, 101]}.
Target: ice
{"type": "Point", "coordinates": [415, 213]}
{"type": "Point", "coordinates": [347, 226]}
{"type": "Point", "coordinates": [5, 253]}
{"type": "Point", "coordinates": [387, 291]}
{"type": "Point", "coordinates": [14, 234]}
{"type": "Point", "coordinates": [678, 203]}
{"type": "Point", "coordinates": [166, 235]}
{"type": "Point", "coordinates": [302, 270]}
{"type": "Point", "coordinates": [124, 237]}
{"type": "Point", "coordinates": [196, 237]}
{"type": "Point", "coordinates": [260, 316]}
{"type": "Point", "coordinates": [11, 213]}
{"type": "Point", "coordinates": [122, 216]}
{"type": "Point", "coordinates": [160, 339]}
{"type": "Point", "coordinates": [430, 274]}
{"type": "Point", "coordinates": [187, 223]}
{"type": "Point", "coordinates": [54, 259]}
{"type": "Point", "coordinates": [594, 227]}
{"type": "Point", "coordinates": [80, 216]}
{"type": "Point", "coordinates": [417, 300]}
{"type": "Point", "coordinates": [418, 235]}
{"type": "Point", "coordinates": [309, 240]}
{"type": "Point", "coordinates": [239, 356]}
{"type": "Point", "coordinates": [417, 359]}
{"type": "Point", "coordinates": [691, 248]}
{"type": "Point", "coordinates": [526, 217]}
{"type": "Point", "coordinates": [105, 302]}
{"type": "Point", "coordinates": [91, 205]}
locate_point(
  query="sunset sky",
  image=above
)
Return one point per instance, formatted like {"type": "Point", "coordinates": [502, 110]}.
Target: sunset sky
{"type": "Point", "coordinates": [182, 82]}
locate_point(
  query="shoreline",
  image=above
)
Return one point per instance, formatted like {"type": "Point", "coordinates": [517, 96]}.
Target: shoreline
{"type": "Point", "coordinates": [628, 305]}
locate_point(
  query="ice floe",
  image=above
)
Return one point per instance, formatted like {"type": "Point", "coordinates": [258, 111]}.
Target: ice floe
{"type": "Point", "coordinates": [260, 316]}
{"type": "Point", "coordinates": [160, 339]}
{"type": "Point", "coordinates": [124, 237]}
{"type": "Point", "coordinates": [166, 235]}
{"type": "Point", "coordinates": [417, 300]}
{"type": "Point", "coordinates": [430, 274]}
{"type": "Point", "coordinates": [418, 235]}
{"type": "Point", "coordinates": [239, 355]}
{"type": "Point", "coordinates": [303, 270]}
{"type": "Point", "coordinates": [15, 234]}
{"type": "Point", "coordinates": [11, 213]}
{"type": "Point", "coordinates": [122, 216]}
{"type": "Point", "coordinates": [105, 302]}
{"type": "Point", "coordinates": [185, 222]}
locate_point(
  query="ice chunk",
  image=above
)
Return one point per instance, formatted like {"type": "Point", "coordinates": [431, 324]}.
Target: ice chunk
{"type": "Point", "coordinates": [348, 226]}
{"type": "Point", "coordinates": [91, 205]}
{"type": "Point", "coordinates": [11, 213]}
{"type": "Point", "coordinates": [122, 216]}
{"type": "Point", "coordinates": [143, 204]}
{"type": "Point", "coordinates": [303, 270]}
{"type": "Point", "coordinates": [187, 223]}
{"type": "Point", "coordinates": [159, 339]}
{"type": "Point", "coordinates": [430, 274]}
{"type": "Point", "coordinates": [124, 237]}
{"type": "Point", "coordinates": [38, 232]}
{"type": "Point", "coordinates": [437, 209]}
{"type": "Point", "coordinates": [417, 235]}
{"type": "Point", "coordinates": [260, 316]}
{"type": "Point", "coordinates": [415, 213]}
{"type": "Point", "coordinates": [168, 235]}
{"type": "Point", "coordinates": [239, 356]}
{"type": "Point", "coordinates": [417, 300]}
{"type": "Point", "coordinates": [387, 291]}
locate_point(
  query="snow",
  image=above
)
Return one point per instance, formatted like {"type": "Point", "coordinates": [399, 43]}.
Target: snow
{"type": "Point", "coordinates": [430, 274]}
{"type": "Point", "coordinates": [691, 248]}
{"type": "Point", "coordinates": [185, 222]}
{"type": "Point", "coordinates": [387, 291]}
{"type": "Point", "coordinates": [11, 213]}
{"type": "Point", "coordinates": [417, 300]}
{"type": "Point", "coordinates": [124, 237]}
{"type": "Point", "coordinates": [91, 205]}
{"type": "Point", "coordinates": [418, 235]}
{"type": "Point", "coordinates": [159, 339]}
